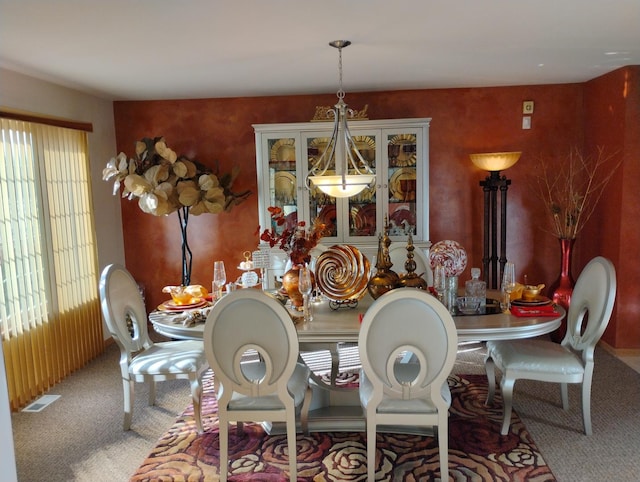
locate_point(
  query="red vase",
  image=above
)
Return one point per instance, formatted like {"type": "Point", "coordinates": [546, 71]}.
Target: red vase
{"type": "Point", "coordinates": [560, 291]}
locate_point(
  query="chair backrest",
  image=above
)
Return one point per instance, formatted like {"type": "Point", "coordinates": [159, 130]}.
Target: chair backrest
{"type": "Point", "coordinates": [244, 320]}
{"type": "Point", "coordinates": [591, 304]}
{"type": "Point", "coordinates": [408, 320]}
{"type": "Point", "coordinates": [398, 255]}
{"type": "Point", "coordinates": [123, 309]}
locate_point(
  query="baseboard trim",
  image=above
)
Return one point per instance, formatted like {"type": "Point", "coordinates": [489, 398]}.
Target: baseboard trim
{"type": "Point", "coordinates": [619, 351]}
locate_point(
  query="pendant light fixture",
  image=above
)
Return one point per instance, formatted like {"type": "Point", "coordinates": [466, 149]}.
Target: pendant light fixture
{"type": "Point", "coordinates": [341, 171]}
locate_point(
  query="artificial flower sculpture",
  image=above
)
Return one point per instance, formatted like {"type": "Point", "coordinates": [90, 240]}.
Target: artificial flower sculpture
{"type": "Point", "coordinates": [165, 182]}
{"type": "Point", "coordinates": [297, 242]}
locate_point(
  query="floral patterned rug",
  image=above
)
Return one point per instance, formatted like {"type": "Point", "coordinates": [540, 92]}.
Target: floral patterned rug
{"type": "Point", "coordinates": [477, 451]}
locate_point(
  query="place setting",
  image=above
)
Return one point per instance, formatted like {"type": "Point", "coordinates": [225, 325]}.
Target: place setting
{"type": "Point", "coordinates": [532, 303]}
{"type": "Point", "coordinates": [188, 305]}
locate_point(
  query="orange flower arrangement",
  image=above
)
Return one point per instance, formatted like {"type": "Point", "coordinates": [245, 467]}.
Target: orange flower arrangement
{"type": "Point", "coordinates": [297, 242]}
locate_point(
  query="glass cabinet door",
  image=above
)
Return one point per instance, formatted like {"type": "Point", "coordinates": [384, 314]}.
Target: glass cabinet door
{"type": "Point", "coordinates": [363, 219]}
{"type": "Point", "coordinates": [283, 181]}
{"type": "Point", "coordinates": [402, 174]}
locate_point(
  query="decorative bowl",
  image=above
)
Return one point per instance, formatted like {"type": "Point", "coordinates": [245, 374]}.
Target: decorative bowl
{"type": "Point", "coordinates": [468, 305]}
{"type": "Point", "coordinates": [531, 292]}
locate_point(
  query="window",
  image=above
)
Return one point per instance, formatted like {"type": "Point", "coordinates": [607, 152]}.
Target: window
{"type": "Point", "coordinates": [50, 321]}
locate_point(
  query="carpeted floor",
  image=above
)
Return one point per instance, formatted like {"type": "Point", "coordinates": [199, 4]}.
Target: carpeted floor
{"type": "Point", "coordinates": [476, 450]}
{"type": "Point", "coordinates": [80, 438]}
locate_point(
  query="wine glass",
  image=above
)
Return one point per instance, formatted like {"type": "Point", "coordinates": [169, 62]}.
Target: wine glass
{"type": "Point", "coordinates": [219, 278]}
{"type": "Point", "coordinates": [305, 286]}
{"type": "Point", "coordinates": [439, 280]}
{"type": "Point", "coordinates": [508, 283]}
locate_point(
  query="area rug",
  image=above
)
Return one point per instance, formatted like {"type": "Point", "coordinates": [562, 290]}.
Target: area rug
{"type": "Point", "coordinates": [477, 451]}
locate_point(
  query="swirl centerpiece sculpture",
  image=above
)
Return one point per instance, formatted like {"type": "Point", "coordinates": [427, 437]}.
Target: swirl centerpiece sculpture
{"type": "Point", "coordinates": [342, 274]}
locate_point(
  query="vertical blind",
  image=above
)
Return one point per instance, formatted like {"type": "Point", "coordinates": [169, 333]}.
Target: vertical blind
{"type": "Point", "coordinates": [50, 321]}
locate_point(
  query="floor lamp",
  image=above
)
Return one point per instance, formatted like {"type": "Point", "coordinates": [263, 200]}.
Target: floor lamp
{"type": "Point", "coordinates": [494, 162]}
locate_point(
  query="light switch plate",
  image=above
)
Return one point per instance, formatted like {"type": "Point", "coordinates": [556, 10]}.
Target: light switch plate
{"type": "Point", "coordinates": [527, 107]}
{"type": "Point", "coordinates": [526, 122]}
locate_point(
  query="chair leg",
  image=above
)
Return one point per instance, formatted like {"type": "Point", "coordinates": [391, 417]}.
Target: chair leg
{"type": "Point", "coordinates": [586, 401]}
{"type": "Point", "coordinates": [443, 447]}
{"type": "Point", "coordinates": [128, 389]}
{"type": "Point", "coordinates": [564, 395]}
{"type": "Point", "coordinates": [152, 392]}
{"type": "Point", "coordinates": [196, 396]}
{"type": "Point", "coordinates": [490, 369]}
{"type": "Point", "coordinates": [291, 445]}
{"type": "Point", "coordinates": [506, 386]}
{"type": "Point", "coordinates": [223, 432]}
{"type": "Point", "coordinates": [371, 450]}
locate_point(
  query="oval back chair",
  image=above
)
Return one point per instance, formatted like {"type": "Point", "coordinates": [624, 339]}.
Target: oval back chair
{"type": "Point", "coordinates": [394, 391]}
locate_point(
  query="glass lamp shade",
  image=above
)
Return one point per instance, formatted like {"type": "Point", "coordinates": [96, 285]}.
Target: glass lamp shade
{"type": "Point", "coordinates": [342, 186]}
{"type": "Point", "coordinates": [495, 161]}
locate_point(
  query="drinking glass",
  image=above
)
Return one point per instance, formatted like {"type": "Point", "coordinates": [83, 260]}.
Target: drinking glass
{"type": "Point", "coordinates": [508, 283]}
{"type": "Point", "coordinates": [219, 278]}
{"type": "Point", "coordinates": [439, 280]}
{"type": "Point", "coordinates": [305, 286]}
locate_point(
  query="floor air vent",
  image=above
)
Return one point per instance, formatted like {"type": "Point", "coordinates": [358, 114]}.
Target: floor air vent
{"type": "Point", "coordinates": [41, 403]}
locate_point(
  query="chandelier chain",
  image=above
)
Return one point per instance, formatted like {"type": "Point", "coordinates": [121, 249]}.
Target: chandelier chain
{"type": "Point", "coordinates": [340, 90]}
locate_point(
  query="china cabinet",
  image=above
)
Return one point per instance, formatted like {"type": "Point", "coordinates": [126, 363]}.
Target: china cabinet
{"type": "Point", "coordinates": [398, 152]}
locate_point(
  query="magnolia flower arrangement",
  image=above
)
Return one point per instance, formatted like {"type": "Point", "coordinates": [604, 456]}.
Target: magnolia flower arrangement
{"type": "Point", "coordinates": [164, 182]}
{"type": "Point", "coordinates": [570, 190]}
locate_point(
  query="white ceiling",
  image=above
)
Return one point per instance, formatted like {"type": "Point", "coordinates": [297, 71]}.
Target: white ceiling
{"type": "Point", "coordinates": [163, 49]}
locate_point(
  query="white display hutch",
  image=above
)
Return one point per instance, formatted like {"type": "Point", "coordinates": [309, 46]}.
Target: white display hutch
{"type": "Point", "coordinates": [396, 149]}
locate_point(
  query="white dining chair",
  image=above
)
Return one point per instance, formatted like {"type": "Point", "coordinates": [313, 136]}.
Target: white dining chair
{"type": "Point", "coordinates": [272, 388]}
{"type": "Point", "coordinates": [142, 360]}
{"type": "Point", "coordinates": [571, 361]}
{"type": "Point", "coordinates": [398, 256]}
{"type": "Point", "coordinates": [394, 392]}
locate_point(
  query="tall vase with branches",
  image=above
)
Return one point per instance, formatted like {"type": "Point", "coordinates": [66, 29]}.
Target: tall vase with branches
{"type": "Point", "coordinates": [570, 188]}
{"type": "Point", "coordinates": [164, 182]}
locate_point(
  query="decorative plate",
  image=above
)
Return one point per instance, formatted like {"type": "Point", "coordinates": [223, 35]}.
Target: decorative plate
{"type": "Point", "coordinates": [406, 150]}
{"type": "Point", "coordinates": [538, 301]}
{"type": "Point", "coordinates": [328, 216]}
{"type": "Point", "coordinates": [283, 150]}
{"type": "Point", "coordinates": [291, 220]}
{"type": "Point", "coordinates": [170, 305]}
{"type": "Point", "coordinates": [315, 148]}
{"type": "Point", "coordinates": [342, 273]}
{"type": "Point", "coordinates": [363, 220]}
{"type": "Point", "coordinates": [402, 219]}
{"type": "Point", "coordinates": [402, 184]}
{"type": "Point", "coordinates": [450, 255]}
{"type": "Point", "coordinates": [284, 184]}
{"type": "Point", "coordinates": [366, 146]}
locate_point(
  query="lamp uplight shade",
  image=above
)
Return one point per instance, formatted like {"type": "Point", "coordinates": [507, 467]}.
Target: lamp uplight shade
{"type": "Point", "coordinates": [495, 161]}
{"type": "Point", "coordinates": [342, 186]}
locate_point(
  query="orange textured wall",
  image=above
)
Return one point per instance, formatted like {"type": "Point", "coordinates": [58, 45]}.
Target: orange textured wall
{"type": "Point", "coordinates": [612, 119]}
{"type": "Point", "coordinates": [464, 121]}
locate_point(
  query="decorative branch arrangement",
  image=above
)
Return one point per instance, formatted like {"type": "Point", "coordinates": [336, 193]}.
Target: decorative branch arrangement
{"type": "Point", "coordinates": [570, 190]}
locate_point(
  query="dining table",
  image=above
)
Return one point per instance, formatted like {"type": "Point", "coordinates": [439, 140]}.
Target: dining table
{"type": "Point", "coordinates": [330, 325]}
{"type": "Point", "coordinates": [335, 407]}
